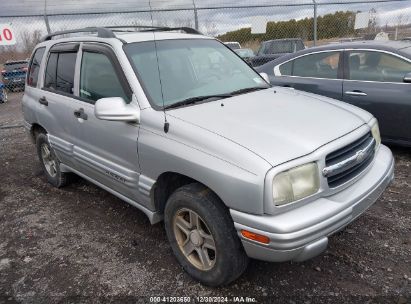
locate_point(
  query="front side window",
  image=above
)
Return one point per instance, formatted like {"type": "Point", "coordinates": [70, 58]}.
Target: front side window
{"type": "Point", "coordinates": [98, 78]}
{"type": "Point", "coordinates": [34, 68]}
{"type": "Point", "coordinates": [377, 66]}
{"type": "Point", "coordinates": [188, 68]}
{"type": "Point", "coordinates": [286, 68]}
{"type": "Point", "coordinates": [319, 65]}
{"type": "Point", "coordinates": [60, 72]}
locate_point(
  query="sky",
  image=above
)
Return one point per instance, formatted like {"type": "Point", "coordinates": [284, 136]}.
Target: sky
{"type": "Point", "coordinates": [212, 21]}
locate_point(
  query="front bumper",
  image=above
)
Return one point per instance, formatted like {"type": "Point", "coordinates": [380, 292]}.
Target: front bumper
{"type": "Point", "coordinates": [302, 233]}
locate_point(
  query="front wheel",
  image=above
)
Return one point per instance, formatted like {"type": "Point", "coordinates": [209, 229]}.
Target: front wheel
{"type": "Point", "coordinates": [3, 97]}
{"type": "Point", "coordinates": [202, 236]}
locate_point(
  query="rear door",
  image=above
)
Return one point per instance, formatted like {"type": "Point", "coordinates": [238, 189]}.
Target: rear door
{"type": "Point", "coordinates": [374, 82]}
{"type": "Point", "coordinates": [57, 98]}
{"type": "Point", "coordinates": [104, 150]}
{"type": "Point", "coordinates": [319, 73]}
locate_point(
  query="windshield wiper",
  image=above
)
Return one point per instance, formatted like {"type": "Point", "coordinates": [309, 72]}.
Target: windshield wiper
{"type": "Point", "coordinates": [247, 90]}
{"type": "Point", "coordinates": [193, 100]}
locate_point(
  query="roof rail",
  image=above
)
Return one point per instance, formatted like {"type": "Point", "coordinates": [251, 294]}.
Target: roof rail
{"type": "Point", "coordinates": [185, 29]}
{"type": "Point", "coordinates": [108, 31]}
{"type": "Point", "coordinates": [101, 32]}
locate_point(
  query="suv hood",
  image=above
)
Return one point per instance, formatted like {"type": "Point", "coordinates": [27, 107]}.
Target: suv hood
{"type": "Point", "coordinates": [278, 124]}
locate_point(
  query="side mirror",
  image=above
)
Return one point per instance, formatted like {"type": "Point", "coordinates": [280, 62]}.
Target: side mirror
{"type": "Point", "coordinates": [265, 76]}
{"type": "Point", "coordinates": [116, 109]}
{"type": "Point", "coordinates": [407, 78]}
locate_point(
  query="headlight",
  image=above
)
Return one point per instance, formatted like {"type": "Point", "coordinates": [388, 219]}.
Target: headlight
{"type": "Point", "coordinates": [295, 184]}
{"type": "Point", "coordinates": [375, 131]}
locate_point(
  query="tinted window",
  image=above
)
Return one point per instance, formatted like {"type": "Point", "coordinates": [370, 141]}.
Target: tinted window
{"type": "Point", "coordinates": [377, 66]}
{"type": "Point", "coordinates": [286, 68]}
{"type": "Point", "coordinates": [35, 67]}
{"type": "Point", "coordinates": [60, 72]}
{"type": "Point", "coordinates": [51, 69]}
{"type": "Point", "coordinates": [98, 78]}
{"type": "Point", "coordinates": [320, 65]}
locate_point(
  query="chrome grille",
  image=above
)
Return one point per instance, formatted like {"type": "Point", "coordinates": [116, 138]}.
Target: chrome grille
{"type": "Point", "coordinates": [345, 163]}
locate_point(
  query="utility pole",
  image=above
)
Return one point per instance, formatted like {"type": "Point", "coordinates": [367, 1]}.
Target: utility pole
{"type": "Point", "coordinates": [315, 22]}
{"type": "Point", "coordinates": [195, 15]}
{"type": "Point", "coordinates": [46, 19]}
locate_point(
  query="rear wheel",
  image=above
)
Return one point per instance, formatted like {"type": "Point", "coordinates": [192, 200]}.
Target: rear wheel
{"type": "Point", "coordinates": [202, 236]}
{"type": "Point", "coordinates": [50, 162]}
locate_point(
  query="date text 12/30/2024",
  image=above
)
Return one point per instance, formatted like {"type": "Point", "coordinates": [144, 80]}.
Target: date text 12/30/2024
{"type": "Point", "coordinates": [204, 299]}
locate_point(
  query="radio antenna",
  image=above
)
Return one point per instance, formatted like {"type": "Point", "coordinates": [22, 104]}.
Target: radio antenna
{"type": "Point", "coordinates": [166, 124]}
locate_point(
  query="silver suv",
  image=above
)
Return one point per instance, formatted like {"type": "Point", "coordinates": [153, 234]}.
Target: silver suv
{"type": "Point", "coordinates": [177, 125]}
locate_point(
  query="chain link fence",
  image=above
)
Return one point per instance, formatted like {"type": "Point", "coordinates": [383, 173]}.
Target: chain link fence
{"type": "Point", "coordinates": [314, 22]}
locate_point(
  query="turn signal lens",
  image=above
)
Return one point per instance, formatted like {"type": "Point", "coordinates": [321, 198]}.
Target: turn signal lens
{"type": "Point", "coordinates": [255, 237]}
{"type": "Point", "coordinates": [375, 130]}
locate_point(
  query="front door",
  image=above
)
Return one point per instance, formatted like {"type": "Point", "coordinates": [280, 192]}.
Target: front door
{"type": "Point", "coordinates": [374, 82]}
{"type": "Point", "coordinates": [104, 150]}
{"type": "Point", "coordinates": [319, 73]}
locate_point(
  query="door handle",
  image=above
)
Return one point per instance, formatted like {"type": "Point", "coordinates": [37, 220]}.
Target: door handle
{"type": "Point", "coordinates": [355, 93]}
{"type": "Point", "coordinates": [80, 114]}
{"type": "Point", "coordinates": [43, 101]}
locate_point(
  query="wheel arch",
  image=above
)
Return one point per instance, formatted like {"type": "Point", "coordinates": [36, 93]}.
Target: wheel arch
{"type": "Point", "coordinates": [167, 183]}
{"type": "Point", "coordinates": [36, 129]}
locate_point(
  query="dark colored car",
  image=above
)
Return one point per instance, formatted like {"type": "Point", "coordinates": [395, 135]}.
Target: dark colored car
{"type": "Point", "coordinates": [272, 49]}
{"type": "Point", "coordinates": [14, 74]}
{"type": "Point", "coordinates": [373, 75]}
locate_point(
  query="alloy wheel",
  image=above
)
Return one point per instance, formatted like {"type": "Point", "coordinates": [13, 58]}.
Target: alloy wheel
{"type": "Point", "coordinates": [48, 160]}
{"type": "Point", "coordinates": [194, 239]}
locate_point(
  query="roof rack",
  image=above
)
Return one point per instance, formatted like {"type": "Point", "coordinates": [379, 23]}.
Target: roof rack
{"type": "Point", "coordinates": [108, 31]}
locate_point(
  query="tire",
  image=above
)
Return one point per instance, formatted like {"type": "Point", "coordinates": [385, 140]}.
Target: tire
{"type": "Point", "coordinates": [228, 260]}
{"type": "Point", "coordinates": [3, 96]}
{"type": "Point", "coordinates": [49, 162]}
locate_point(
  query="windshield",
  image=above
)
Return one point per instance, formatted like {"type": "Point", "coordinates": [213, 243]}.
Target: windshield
{"type": "Point", "coordinates": [187, 68]}
{"type": "Point", "coordinates": [15, 65]}
{"type": "Point", "coordinates": [277, 47]}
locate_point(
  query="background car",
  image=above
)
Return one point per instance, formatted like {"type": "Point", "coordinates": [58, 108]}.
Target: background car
{"type": "Point", "coordinates": [246, 54]}
{"type": "Point", "coordinates": [373, 75]}
{"type": "Point", "coordinates": [14, 74]}
{"type": "Point", "coordinates": [3, 93]}
{"type": "Point", "coordinates": [233, 45]}
{"type": "Point", "coordinates": [272, 49]}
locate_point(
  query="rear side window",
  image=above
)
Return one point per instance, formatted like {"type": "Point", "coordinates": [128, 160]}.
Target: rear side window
{"type": "Point", "coordinates": [319, 65]}
{"type": "Point", "coordinates": [98, 78]}
{"type": "Point", "coordinates": [377, 66]}
{"type": "Point", "coordinates": [60, 72]}
{"type": "Point", "coordinates": [34, 68]}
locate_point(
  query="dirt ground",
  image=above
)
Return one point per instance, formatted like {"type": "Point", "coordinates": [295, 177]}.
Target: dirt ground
{"type": "Point", "coordinates": [82, 244]}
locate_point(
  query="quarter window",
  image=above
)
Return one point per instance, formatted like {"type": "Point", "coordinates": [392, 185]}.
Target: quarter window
{"type": "Point", "coordinates": [319, 65]}
{"type": "Point", "coordinates": [377, 66]}
{"type": "Point", "coordinates": [286, 68]}
{"type": "Point", "coordinates": [34, 68]}
{"type": "Point", "coordinates": [60, 72]}
{"type": "Point", "coordinates": [98, 78]}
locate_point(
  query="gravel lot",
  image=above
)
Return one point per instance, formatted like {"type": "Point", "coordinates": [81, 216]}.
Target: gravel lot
{"type": "Point", "coordinates": [82, 244]}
